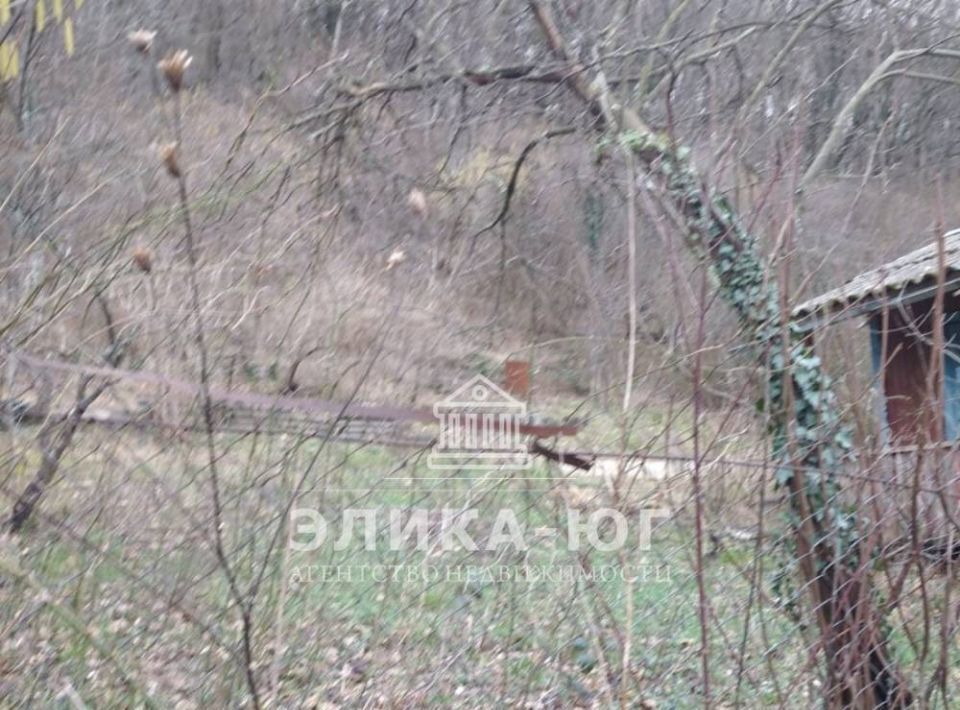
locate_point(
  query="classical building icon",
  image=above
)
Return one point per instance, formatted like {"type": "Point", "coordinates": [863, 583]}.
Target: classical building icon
{"type": "Point", "coordinates": [479, 429]}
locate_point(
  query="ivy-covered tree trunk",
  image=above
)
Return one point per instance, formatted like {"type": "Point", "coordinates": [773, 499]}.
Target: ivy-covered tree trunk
{"type": "Point", "coordinates": [804, 424]}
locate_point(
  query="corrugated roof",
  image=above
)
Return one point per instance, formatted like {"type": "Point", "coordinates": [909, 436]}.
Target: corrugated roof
{"type": "Point", "coordinates": [895, 278]}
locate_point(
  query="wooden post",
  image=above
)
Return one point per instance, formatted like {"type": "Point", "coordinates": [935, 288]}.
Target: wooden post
{"type": "Point", "coordinates": [516, 374]}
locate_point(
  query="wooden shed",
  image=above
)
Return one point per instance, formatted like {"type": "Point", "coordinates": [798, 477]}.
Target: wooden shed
{"type": "Point", "coordinates": [898, 300]}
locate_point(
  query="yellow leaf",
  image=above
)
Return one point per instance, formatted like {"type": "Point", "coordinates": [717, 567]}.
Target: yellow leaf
{"type": "Point", "coordinates": [68, 36]}
{"type": "Point", "coordinates": [4, 11]}
{"type": "Point", "coordinates": [6, 61]}
{"type": "Point", "coordinates": [9, 61]}
{"type": "Point", "coordinates": [78, 4]}
{"type": "Point", "coordinates": [41, 15]}
{"type": "Point", "coordinates": [58, 10]}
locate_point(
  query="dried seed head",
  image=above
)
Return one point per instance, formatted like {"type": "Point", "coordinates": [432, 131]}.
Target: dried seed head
{"type": "Point", "coordinates": [397, 257]}
{"type": "Point", "coordinates": [168, 154]}
{"type": "Point", "coordinates": [143, 259]}
{"type": "Point", "coordinates": [174, 66]}
{"type": "Point", "coordinates": [142, 40]}
{"type": "Point", "coordinates": [417, 202]}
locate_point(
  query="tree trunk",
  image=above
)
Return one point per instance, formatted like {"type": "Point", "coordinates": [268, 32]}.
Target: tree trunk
{"type": "Point", "coordinates": [804, 423]}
